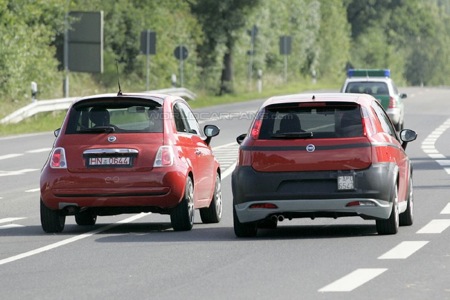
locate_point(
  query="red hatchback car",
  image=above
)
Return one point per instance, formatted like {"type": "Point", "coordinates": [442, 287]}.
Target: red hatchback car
{"type": "Point", "coordinates": [322, 155]}
{"type": "Point", "coordinates": [131, 153]}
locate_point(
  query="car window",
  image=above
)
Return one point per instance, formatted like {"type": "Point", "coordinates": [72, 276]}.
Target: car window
{"type": "Point", "coordinates": [323, 120]}
{"type": "Point", "coordinates": [371, 88]}
{"type": "Point", "coordinates": [128, 116]}
{"type": "Point", "coordinates": [185, 120]}
{"type": "Point", "coordinates": [384, 119]}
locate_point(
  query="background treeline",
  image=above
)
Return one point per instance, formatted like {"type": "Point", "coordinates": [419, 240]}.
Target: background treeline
{"type": "Point", "coordinates": [411, 37]}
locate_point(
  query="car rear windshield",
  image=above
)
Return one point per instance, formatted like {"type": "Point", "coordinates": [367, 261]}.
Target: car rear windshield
{"type": "Point", "coordinates": [311, 120]}
{"type": "Point", "coordinates": [367, 87]}
{"type": "Point", "coordinates": [128, 116]}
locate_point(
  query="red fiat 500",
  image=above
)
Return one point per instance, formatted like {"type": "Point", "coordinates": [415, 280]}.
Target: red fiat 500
{"type": "Point", "coordinates": [130, 153]}
{"type": "Point", "coordinates": [322, 155]}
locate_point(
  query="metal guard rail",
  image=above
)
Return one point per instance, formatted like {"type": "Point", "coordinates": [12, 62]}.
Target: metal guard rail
{"type": "Point", "coordinates": [64, 103]}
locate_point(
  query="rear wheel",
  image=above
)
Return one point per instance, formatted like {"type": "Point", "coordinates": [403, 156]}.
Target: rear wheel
{"type": "Point", "coordinates": [390, 225]}
{"type": "Point", "coordinates": [85, 218]}
{"type": "Point", "coordinates": [182, 216]}
{"type": "Point", "coordinates": [407, 217]}
{"type": "Point", "coordinates": [52, 221]}
{"type": "Point", "coordinates": [213, 213]}
{"type": "Point", "coordinates": [243, 229]}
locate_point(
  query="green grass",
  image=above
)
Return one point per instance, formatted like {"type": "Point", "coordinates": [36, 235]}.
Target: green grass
{"type": "Point", "coordinates": [50, 121]}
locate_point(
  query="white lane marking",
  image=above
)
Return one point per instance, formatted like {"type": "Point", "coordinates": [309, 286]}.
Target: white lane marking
{"type": "Point", "coordinates": [6, 220]}
{"type": "Point", "coordinates": [443, 162]}
{"type": "Point", "coordinates": [32, 190]}
{"type": "Point", "coordinates": [8, 226]}
{"type": "Point", "coordinates": [446, 210]}
{"type": "Point", "coordinates": [353, 280]}
{"type": "Point", "coordinates": [18, 172]}
{"type": "Point", "coordinates": [403, 250]}
{"type": "Point", "coordinates": [10, 156]}
{"type": "Point", "coordinates": [228, 171]}
{"type": "Point", "coordinates": [435, 226]}
{"type": "Point", "coordinates": [70, 240]}
{"type": "Point", "coordinates": [39, 150]}
{"type": "Point", "coordinates": [10, 220]}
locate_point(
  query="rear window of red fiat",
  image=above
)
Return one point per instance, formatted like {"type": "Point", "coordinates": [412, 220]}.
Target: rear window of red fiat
{"type": "Point", "coordinates": [311, 120]}
{"type": "Point", "coordinates": [110, 115]}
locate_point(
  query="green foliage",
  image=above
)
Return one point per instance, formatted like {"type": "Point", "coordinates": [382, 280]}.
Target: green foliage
{"type": "Point", "coordinates": [411, 37]}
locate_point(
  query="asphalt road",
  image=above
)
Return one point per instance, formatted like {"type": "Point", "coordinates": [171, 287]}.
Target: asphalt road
{"type": "Point", "coordinates": [141, 257]}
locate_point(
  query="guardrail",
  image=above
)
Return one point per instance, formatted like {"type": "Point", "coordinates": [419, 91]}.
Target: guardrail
{"type": "Point", "coordinates": [64, 103]}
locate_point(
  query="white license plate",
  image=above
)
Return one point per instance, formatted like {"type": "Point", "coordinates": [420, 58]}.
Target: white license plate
{"type": "Point", "coordinates": [109, 161]}
{"type": "Point", "coordinates": [346, 182]}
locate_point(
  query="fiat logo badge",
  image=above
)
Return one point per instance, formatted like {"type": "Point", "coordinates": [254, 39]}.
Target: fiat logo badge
{"type": "Point", "coordinates": [310, 148]}
{"type": "Point", "coordinates": [112, 139]}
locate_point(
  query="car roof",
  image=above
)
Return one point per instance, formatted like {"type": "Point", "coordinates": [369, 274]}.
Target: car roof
{"type": "Point", "coordinates": [368, 79]}
{"type": "Point", "coordinates": [159, 98]}
{"type": "Point", "coordinates": [319, 97]}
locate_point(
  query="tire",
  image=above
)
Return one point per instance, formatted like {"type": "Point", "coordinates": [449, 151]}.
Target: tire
{"type": "Point", "coordinates": [244, 229]}
{"type": "Point", "coordinates": [390, 225]}
{"type": "Point", "coordinates": [52, 221]}
{"type": "Point", "coordinates": [407, 217]}
{"type": "Point", "coordinates": [182, 216]}
{"type": "Point", "coordinates": [85, 218]}
{"type": "Point", "coordinates": [213, 213]}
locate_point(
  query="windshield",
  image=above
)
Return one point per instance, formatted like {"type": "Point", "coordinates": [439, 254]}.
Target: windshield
{"type": "Point", "coordinates": [128, 116]}
{"type": "Point", "coordinates": [320, 120]}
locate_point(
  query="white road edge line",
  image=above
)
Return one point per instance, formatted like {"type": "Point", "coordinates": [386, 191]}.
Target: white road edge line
{"type": "Point", "coordinates": [403, 250]}
{"type": "Point", "coordinates": [70, 240]}
{"type": "Point", "coordinates": [353, 280]}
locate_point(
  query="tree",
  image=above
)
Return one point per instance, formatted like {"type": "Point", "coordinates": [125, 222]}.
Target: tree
{"type": "Point", "coordinates": [221, 21]}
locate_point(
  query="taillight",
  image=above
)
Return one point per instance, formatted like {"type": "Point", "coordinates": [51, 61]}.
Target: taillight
{"type": "Point", "coordinates": [392, 102]}
{"type": "Point", "coordinates": [164, 157]}
{"type": "Point", "coordinates": [264, 205]}
{"type": "Point", "coordinates": [256, 128]}
{"type": "Point", "coordinates": [58, 159]}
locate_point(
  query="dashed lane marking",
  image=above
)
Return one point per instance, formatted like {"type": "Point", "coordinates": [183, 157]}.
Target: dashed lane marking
{"type": "Point", "coordinates": [18, 172]}
{"type": "Point", "coordinates": [435, 226]}
{"type": "Point", "coordinates": [446, 210]}
{"type": "Point", "coordinates": [11, 225]}
{"type": "Point", "coordinates": [7, 156]}
{"type": "Point", "coordinates": [39, 150]}
{"type": "Point", "coordinates": [353, 280]}
{"type": "Point", "coordinates": [403, 250]}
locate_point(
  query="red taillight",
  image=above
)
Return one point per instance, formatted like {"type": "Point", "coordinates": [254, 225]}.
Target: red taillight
{"type": "Point", "coordinates": [58, 159]}
{"type": "Point", "coordinates": [256, 129]}
{"type": "Point", "coordinates": [264, 205]}
{"type": "Point", "coordinates": [164, 157]}
{"type": "Point", "coordinates": [392, 103]}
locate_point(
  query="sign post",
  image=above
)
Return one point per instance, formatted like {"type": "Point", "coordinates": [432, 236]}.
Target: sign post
{"type": "Point", "coordinates": [181, 53]}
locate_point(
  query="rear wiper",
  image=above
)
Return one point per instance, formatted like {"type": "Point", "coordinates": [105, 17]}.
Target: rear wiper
{"type": "Point", "coordinates": [293, 135]}
{"type": "Point", "coordinates": [107, 129]}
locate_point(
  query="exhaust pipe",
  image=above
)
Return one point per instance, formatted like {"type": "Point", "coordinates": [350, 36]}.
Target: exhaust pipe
{"type": "Point", "coordinates": [274, 218]}
{"type": "Point", "coordinates": [280, 218]}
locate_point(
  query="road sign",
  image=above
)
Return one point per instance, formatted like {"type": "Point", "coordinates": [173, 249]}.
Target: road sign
{"type": "Point", "coordinates": [181, 52]}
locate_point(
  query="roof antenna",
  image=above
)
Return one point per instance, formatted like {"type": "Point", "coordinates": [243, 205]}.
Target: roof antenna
{"type": "Point", "coordinates": [118, 78]}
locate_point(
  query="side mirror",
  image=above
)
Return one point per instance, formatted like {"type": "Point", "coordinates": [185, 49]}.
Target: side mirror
{"type": "Point", "coordinates": [407, 135]}
{"type": "Point", "coordinates": [241, 138]}
{"type": "Point", "coordinates": [210, 131]}
{"type": "Point", "coordinates": [56, 132]}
